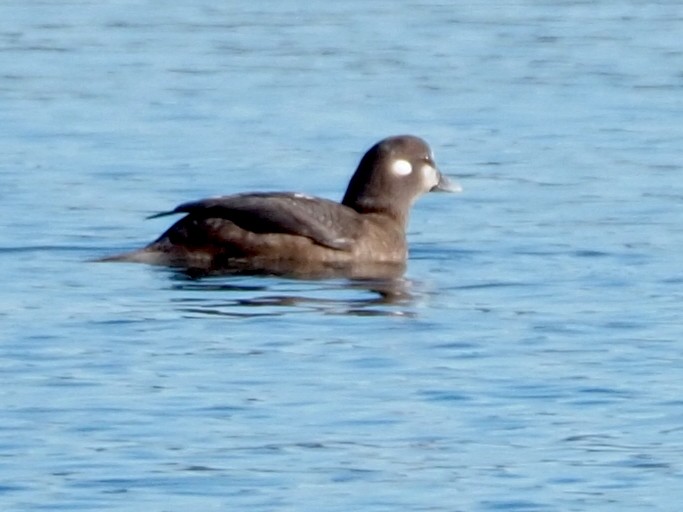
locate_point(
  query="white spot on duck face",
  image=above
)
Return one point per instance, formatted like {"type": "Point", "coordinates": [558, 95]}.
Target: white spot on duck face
{"type": "Point", "coordinates": [430, 176]}
{"type": "Point", "coordinates": [401, 167]}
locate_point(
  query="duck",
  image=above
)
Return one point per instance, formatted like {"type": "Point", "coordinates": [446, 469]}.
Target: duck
{"type": "Point", "coordinates": [290, 233]}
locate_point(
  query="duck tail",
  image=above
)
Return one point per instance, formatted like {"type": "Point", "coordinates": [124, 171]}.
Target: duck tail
{"type": "Point", "coordinates": [137, 256]}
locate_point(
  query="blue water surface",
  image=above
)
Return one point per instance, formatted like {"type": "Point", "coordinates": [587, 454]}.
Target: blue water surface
{"type": "Point", "coordinates": [531, 359]}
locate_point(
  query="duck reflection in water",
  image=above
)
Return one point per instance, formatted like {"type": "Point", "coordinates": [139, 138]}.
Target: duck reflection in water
{"type": "Point", "coordinates": [246, 295]}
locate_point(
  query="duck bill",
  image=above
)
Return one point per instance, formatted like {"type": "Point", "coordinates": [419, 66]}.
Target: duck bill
{"type": "Point", "coordinates": [446, 184]}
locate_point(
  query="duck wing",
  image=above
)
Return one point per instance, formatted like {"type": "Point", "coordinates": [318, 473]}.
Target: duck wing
{"type": "Point", "coordinates": [326, 222]}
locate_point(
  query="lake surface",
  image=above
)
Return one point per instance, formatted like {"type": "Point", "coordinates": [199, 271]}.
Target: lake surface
{"type": "Point", "coordinates": [532, 359]}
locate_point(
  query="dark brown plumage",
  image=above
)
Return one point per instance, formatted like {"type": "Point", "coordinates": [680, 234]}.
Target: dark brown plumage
{"type": "Point", "coordinates": [288, 233]}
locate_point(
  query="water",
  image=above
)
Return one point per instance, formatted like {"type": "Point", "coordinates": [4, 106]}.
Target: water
{"type": "Point", "coordinates": [532, 359]}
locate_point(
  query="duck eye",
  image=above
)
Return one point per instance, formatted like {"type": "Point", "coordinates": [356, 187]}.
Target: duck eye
{"type": "Point", "coordinates": [401, 167]}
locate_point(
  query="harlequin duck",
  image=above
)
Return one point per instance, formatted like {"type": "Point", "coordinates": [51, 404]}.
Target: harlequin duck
{"type": "Point", "coordinates": [294, 234]}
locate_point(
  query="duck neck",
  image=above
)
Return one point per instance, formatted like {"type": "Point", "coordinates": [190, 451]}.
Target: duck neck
{"type": "Point", "coordinates": [366, 206]}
